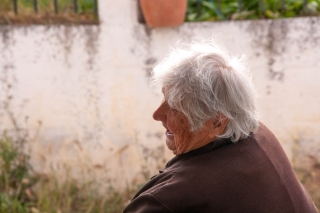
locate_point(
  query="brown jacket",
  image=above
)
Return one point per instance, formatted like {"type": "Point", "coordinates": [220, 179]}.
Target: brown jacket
{"type": "Point", "coordinates": [252, 175]}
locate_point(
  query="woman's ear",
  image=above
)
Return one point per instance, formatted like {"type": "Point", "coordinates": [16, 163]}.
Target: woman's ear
{"type": "Point", "coordinates": [218, 125]}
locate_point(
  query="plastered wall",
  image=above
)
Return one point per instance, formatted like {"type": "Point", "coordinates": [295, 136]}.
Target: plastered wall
{"type": "Point", "coordinates": [83, 95]}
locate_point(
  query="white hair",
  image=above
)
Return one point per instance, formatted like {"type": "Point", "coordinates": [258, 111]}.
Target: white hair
{"type": "Point", "coordinates": [203, 81]}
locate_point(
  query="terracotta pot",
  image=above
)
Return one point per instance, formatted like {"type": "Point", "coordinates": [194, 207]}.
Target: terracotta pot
{"type": "Point", "coordinates": [163, 13]}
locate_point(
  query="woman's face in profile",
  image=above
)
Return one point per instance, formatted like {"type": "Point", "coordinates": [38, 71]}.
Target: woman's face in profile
{"type": "Point", "coordinates": [179, 138]}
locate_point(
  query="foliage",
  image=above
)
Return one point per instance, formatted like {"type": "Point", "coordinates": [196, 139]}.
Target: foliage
{"type": "Point", "coordinates": [71, 196]}
{"type": "Point", "coordinates": [210, 10]}
{"type": "Point", "coordinates": [15, 179]}
{"type": "Point", "coordinates": [310, 178]}
{"type": "Point", "coordinates": [24, 191]}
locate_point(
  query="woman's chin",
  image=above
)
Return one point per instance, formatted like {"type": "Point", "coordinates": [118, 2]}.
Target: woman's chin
{"type": "Point", "coordinates": [171, 145]}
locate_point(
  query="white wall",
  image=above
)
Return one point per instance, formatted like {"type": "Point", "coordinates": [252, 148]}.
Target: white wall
{"type": "Point", "coordinates": [89, 86]}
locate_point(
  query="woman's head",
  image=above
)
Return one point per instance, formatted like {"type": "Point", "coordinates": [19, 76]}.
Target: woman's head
{"type": "Point", "coordinates": [202, 81]}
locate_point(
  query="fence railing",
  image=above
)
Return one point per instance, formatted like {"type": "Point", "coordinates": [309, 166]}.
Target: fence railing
{"type": "Point", "coordinates": [48, 11]}
{"type": "Point", "coordinates": [55, 5]}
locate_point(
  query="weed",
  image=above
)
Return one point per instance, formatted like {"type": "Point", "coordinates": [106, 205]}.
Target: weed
{"type": "Point", "coordinates": [23, 190]}
{"type": "Point", "coordinates": [310, 178]}
{"type": "Point", "coordinates": [15, 178]}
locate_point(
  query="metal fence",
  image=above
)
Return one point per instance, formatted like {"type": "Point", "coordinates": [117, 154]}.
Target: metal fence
{"type": "Point", "coordinates": [55, 6]}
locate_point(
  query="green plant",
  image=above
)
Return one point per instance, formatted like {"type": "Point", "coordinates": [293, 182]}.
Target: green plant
{"type": "Point", "coordinates": [15, 178]}
{"type": "Point", "coordinates": [207, 10]}
{"type": "Point", "coordinates": [310, 178]}
{"type": "Point", "coordinates": [22, 190]}
{"type": "Point", "coordinates": [74, 196]}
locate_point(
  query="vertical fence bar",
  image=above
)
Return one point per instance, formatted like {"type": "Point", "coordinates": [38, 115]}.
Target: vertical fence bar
{"type": "Point", "coordinates": [283, 5]}
{"type": "Point", "coordinates": [261, 6]}
{"type": "Point", "coordinates": [35, 6]}
{"type": "Point", "coordinates": [15, 6]}
{"type": "Point", "coordinates": [219, 5]}
{"type": "Point", "coordinates": [95, 5]}
{"type": "Point", "coordinates": [305, 2]}
{"type": "Point", "coordinates": [55, 4]}
{"type": "Point", "coordinates": [240, 5]}
{"type": "Point", "coordinates": [75, 6]}
{"type": "Point", "coordinates": [198, 8]}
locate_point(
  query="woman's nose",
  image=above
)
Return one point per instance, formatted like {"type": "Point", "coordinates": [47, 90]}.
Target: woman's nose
{"type": "Point", "coordinates": [159, 113]}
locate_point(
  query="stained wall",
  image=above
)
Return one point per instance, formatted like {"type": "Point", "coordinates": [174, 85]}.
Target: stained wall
{"type": "Point", "coordinates": [82, 92]}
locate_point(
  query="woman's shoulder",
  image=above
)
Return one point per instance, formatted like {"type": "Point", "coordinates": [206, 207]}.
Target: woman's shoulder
{"type": "Point", "coordinates": [249, 175]}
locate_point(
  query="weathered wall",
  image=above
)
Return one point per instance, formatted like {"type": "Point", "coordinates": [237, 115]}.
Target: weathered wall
{"type": "Point", "coordinates": [89, 87]}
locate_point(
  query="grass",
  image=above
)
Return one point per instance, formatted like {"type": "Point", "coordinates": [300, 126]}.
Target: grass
{"type": "Point", "coordinates": [46, 12]}
{"type": "Point", "coordinates": [22, 190]}
{"type": "Point", "coordinates": [72, 196]}
{"type": "Point", "coordinates": [310, 178]}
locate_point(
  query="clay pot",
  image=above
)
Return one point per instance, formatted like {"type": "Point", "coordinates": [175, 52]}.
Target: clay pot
{"type": "Point", "coordinates": [163, 13]}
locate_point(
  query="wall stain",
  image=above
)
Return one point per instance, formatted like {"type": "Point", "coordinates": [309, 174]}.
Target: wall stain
{"type": "Point", "coordinates": [274, 37]}
{"type": "Point", "coordinates": [143, 36]}
{"type": "Point", "coordinates": [92, 35]}
{"type": "Point", "coordinates": [62, 39]}
{"type": "Point", "coordinates": [149, 65]}
{"type": "Point", "coordinates": [271, 38]}
{"type": "Point", "coordinates": [66, 40]}
{"type": "Point", "coordinates": [12, 118]}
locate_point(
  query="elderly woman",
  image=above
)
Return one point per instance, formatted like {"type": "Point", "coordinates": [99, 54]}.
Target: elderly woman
{"type": "Point", "coordinates": [226, 161]}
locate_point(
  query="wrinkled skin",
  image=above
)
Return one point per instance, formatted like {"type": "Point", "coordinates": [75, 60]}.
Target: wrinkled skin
{"type": "Point", "coordinates": [179, 139]}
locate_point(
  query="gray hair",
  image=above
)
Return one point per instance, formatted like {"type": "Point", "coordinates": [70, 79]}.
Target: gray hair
{"type": "Point", "coordinates": [203, 81]}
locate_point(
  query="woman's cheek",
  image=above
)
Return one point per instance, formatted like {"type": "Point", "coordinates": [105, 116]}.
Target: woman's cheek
{"type": "Point", "coordinates": [181, 143]}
